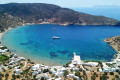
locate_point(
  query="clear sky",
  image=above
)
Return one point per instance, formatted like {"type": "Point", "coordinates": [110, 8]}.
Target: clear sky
{"type": "Point", "coordinates": [69, 3]}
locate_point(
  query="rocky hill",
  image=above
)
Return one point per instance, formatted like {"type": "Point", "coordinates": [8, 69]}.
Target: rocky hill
{"type": "Point", "coordinates": [39, 12]}
{"type": "Point", "coordinates": [7, 20]}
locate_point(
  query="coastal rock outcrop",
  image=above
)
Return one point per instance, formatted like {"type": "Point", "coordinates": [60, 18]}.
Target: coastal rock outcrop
{"type": "Point", "coordinates": [114, 42]}
{"type": "Point", "coordinates": [118, 24]}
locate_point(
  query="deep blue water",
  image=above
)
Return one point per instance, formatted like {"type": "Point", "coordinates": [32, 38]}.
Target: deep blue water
{"type": "Point", "coordinates": [35, 42]}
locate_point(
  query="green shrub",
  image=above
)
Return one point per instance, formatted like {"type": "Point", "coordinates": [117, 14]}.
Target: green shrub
{"type": "Point", "coordinates": [6, 75]}
{"type": "Point", "coordinates": [77, 73]}
{"type": "Point", "coordinates": [4, 57]}
{"type": "Point", "coordinates": [117, 70]}
{"type": "Point", "coordinates": [111, 73]}
{"type": "Point", "coordinates": [42, 78]}
{"type": "Point", "coordinates": [93, 77]}
{"type": "Point", "coordinates": [65, 73]}
{"type": "Point", "coordinates": [117, 76]}
{"type": "Point", "coordinates": [66, 65]}
{"type": "Point", "coordinates": [104, 77]}
{"type": "Point", "coordinates": [4, 47]}
{"type": "Point", "coordinates": [45, 70]}
{"type": "Point", "coordinates": [55, 69]}
{"type": "Point", "coordinates": [74, 78]}
{"type": "Point", "coordinates": [105, 73]}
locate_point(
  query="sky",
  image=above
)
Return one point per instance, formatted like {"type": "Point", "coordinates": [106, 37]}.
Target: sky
{"type": "Point", "coordinates": [69, 3]}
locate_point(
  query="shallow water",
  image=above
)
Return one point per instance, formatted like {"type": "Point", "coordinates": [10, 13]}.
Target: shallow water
{"type": "Point", "coordinates": [35, 42]}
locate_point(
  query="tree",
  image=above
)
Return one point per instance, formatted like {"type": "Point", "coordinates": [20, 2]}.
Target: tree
{"type": "Point", "coordinates": [77, 73]}
{"type": "Point", "coordinates": [4, 47]}
{"type": "Point", "coordinates": [111, 73]}
{"type": "Point", "coordinates": [26, 70]}
{"type": "Point", "coordinates": [42, 78]}
{"type": "Point", "coordinates": [84, 73]}
{"type": "Point", "coordinates": [17, 76]}
{"type": "Point", "coordinates": [29, 60]}
{"type": "Point", "coordinates": [74, 78]}
{"type": "Point", "coordinates": [6, 75]}
{"type": "Point", "coordinates": [97, 69]}
{"type": "Point", "coordinates": [66, 65]}
{"type": "Point", "coordinates": [93, 77]}
{"type": "Point", "coordinates": [117, 76]}
{"type": "Point", "coordinates": [0, 78]}
{"type": "Point", "coordinates": [105, 73]}
{"type": "Point", "coordinates": [1, 75]}
{"type": "Point", "coordinates": [0, 26]}
{"type": "Point", "coordinates": [65, 73]}
{"type": "Point", "coordinates": [119, 72]}
{"type": "Point", "coordinates": [103, 77]}
{"type": "Point", "coordinates": [45, 70]}
{"type": "Point", "coordinates": [55, 69]}
{"type": "Point", "coordinates": [100, 63]}
{"type": "Point", "coordinates": [13, 76]}
{"type": "Point", "coordinates": [34, 76]}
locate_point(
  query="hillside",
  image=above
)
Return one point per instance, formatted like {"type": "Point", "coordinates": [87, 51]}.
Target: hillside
{"type": "Point", "coordinates": [7, 20]}
{"type": "Point", "coordinates": [39, 12]}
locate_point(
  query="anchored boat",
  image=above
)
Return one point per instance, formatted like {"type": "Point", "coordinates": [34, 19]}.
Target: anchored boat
{"type": "Point", "coordinates": [55, 37]}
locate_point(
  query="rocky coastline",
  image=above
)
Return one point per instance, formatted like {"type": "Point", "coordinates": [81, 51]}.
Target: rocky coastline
{"type": "Point", "coordinates": [114, 42]}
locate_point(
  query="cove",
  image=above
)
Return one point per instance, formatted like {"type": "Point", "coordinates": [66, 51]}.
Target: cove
{"type": "Point", "coordinates": [35, 42]}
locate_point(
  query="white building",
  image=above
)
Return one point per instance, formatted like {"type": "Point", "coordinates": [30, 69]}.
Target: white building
{"type": "Point", "coordinates": [36, 72]}
{"type": "Point", "coordinates": [35, 67]}
{"type": "Point", "coordinates": [39, 76]}
{"type": "Point", "coordinates": [106, 68]}
{"type": "Point", "coordinates": [76, 59]}
{"type": "Point", "coordinates": [3, 51]}
{"type": "Point", "coordinates": [59, 74]}
{"type": "Point", "coordinates": [58, 79]}
{"type": "Point", "coordinates": [17, 71]}
{"type": "Point", "coordinates": [93, 64]}
{"type": "Point", "coordinates": [73, 76]}
{"type": "Point", "coordinates": [100, 70]}
{"type": "Point", "coordinates": [59, 70]}
{"type": "Point", "coordinates": [71, 65]}
{"type": "Point", "coordinates": [76, 69]}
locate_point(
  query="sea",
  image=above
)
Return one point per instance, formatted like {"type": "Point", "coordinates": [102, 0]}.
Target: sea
{"type": "Point", "coordinates": [35, 42]}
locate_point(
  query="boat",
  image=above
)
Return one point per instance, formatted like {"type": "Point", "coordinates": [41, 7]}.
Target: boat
{"type": "Point", "coordinates": [55, 37]}
{"type": "Point", "coordinates": [54, 28]}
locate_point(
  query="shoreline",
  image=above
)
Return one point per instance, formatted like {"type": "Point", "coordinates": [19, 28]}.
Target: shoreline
{"type": "Point", "coordinates": [113, 42]}
{"type": "Point", "coordinates": [35, 61]}
{"type": "Point", "coordinates": [1, 34]}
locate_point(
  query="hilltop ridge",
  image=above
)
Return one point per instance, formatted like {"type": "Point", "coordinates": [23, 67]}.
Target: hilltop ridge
{"type": "Point", "coordinates": [40, 12]}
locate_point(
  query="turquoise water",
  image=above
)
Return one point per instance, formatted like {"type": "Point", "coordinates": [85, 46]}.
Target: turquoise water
{"type": "Point", "coordinates": [35, 42]}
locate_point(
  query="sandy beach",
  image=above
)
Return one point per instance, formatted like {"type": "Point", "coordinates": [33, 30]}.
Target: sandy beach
{"type": "Point", "coordinates": [1, 34]}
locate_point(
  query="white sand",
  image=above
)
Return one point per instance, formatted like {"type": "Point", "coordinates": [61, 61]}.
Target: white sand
{"type": "Point", "coordinates": [1, 34]}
